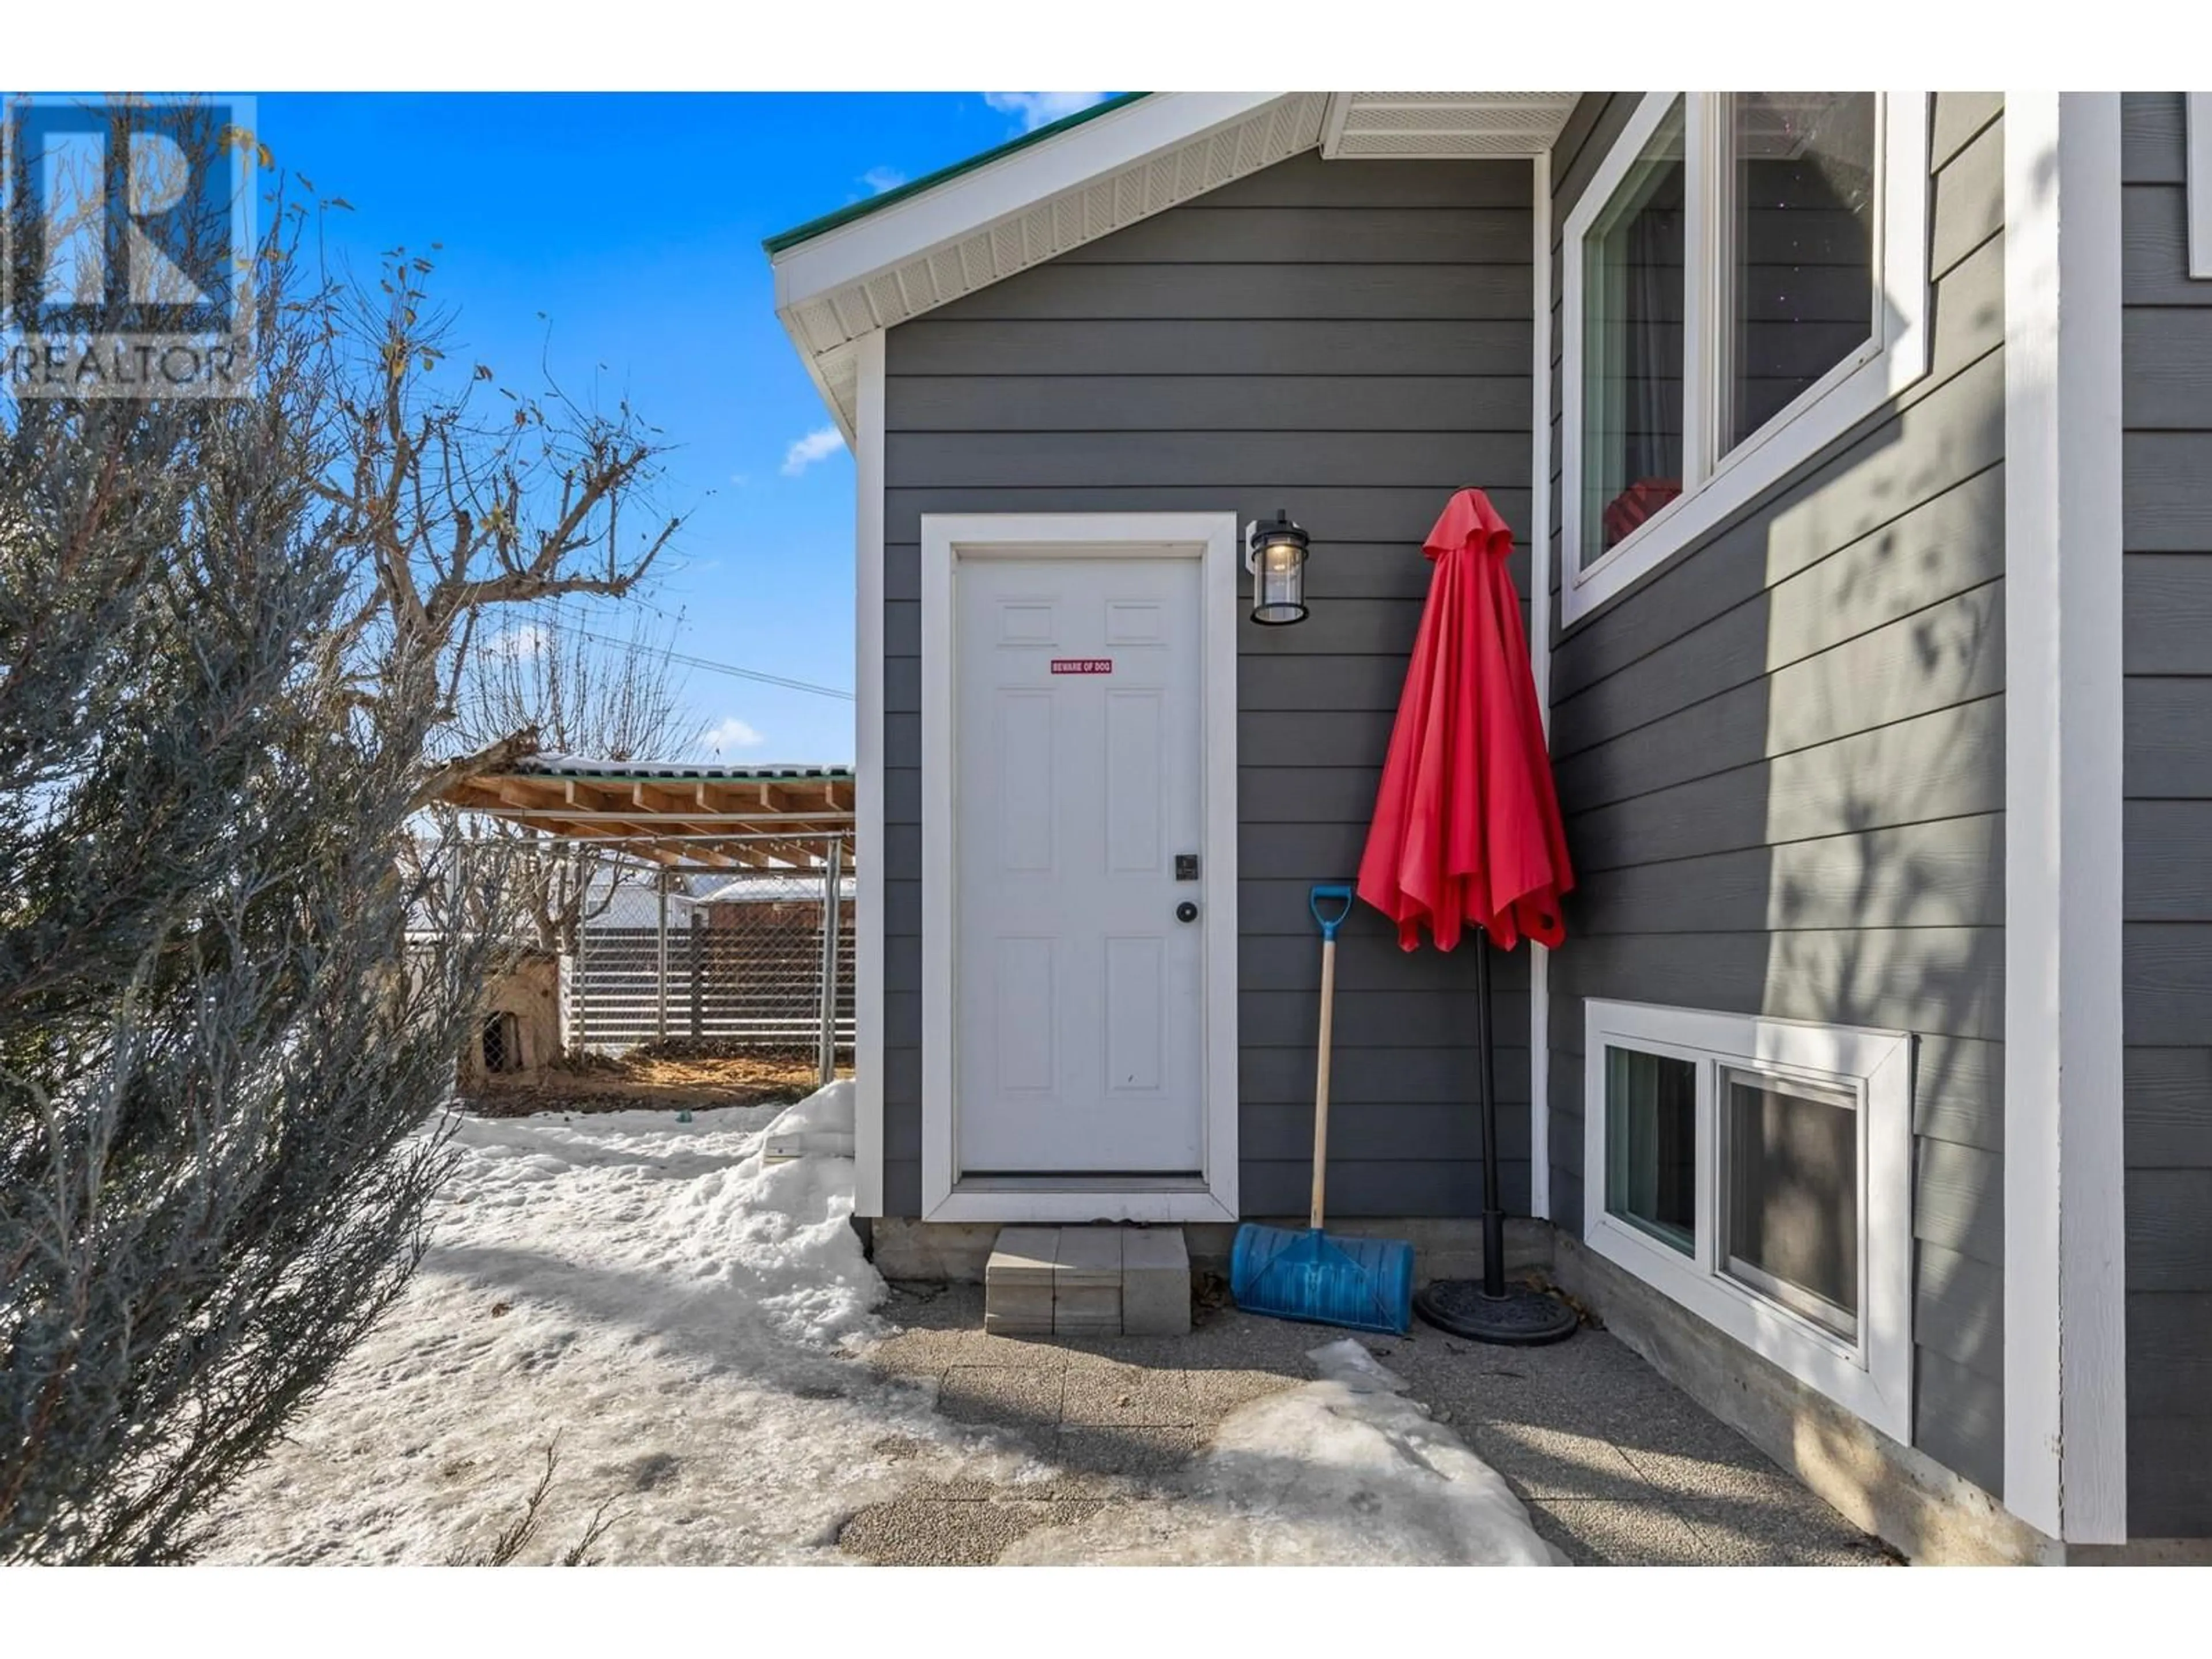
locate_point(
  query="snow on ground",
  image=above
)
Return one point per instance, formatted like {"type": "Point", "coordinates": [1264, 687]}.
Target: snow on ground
{"type": "Point", "coordinates": [1344, 1471]}
{"type": "Point", "coordinates": [651, 1292]}
{"type": "Point", "coordinates": [675, 1309]}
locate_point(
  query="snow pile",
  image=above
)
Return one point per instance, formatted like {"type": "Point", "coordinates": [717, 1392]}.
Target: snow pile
{"type": "Point", "coordinates": [676, 1309]}
{"type": "Point", "coordinates": [670, 1304]}
{"type": "Point", "coordinates": [820, 1126]}
{"type": "Point", "coordinates": [1344, 1471]}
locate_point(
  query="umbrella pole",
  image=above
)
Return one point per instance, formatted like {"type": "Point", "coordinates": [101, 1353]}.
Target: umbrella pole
{"type": "Point", "coordinates": [1490, 1311]}
{"type": "Point", "coordinates": [1493, 1209]}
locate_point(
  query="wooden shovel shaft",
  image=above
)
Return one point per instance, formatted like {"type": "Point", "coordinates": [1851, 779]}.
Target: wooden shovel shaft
{"type": "Point", "coordinates": [1321, 1078]}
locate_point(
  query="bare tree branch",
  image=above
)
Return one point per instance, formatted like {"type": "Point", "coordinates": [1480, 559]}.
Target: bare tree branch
{"type": "Point", "coordinates": [618, 702]}
{"type": "Point", "coordinates": [234, 638]}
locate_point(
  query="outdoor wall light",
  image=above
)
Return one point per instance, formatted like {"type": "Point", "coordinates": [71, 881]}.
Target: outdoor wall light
{"type": "Point", "coordinates": [1276, 556]}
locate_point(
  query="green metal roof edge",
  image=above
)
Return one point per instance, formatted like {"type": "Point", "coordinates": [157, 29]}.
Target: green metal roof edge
{"type": "Point", "coordinates": [677, 771]}
{"type": "Point", "coordinates": [846, 216]}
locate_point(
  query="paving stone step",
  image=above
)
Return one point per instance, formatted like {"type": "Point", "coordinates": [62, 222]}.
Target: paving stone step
{"type": "Point", "coordinates": [1098, 1281]}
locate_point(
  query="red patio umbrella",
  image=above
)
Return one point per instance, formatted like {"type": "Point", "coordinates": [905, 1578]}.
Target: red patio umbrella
{"type": "Point", "coordinates": [1467, 826]}
{"type": "Point", "coordinates": [1467, 831]}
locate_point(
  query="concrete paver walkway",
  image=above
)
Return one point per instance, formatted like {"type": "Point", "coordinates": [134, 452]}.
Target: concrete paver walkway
{"type": "Point", "coordinates": [1615, 1465]}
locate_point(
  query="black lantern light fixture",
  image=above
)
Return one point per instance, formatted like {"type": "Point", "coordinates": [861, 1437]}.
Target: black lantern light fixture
{"type": "Point", "coordinates": [1275, 554]}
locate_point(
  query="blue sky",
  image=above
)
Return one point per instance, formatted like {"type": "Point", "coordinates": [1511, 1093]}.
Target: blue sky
{"type": "Point", "coordinates": [634, 223]}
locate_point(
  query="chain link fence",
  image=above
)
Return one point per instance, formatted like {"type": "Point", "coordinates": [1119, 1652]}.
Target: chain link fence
{"type": "Point", "coordinates": [705, 954]}
{"type": "Point", "coordinates": [736, 962]}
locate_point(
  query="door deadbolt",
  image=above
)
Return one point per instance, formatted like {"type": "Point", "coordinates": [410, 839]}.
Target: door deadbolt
{"type": "Point", "coordinates": [1186, 911]}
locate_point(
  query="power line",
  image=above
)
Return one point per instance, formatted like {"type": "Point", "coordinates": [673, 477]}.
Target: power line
{"type": "Point", "coordinates": [713, 667]}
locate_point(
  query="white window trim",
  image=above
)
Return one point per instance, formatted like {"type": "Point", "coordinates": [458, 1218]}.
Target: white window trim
{"type": "Point", "coordinates": [1715, 488]}
{"type": "Point", "coordinates": [1211, 538]}
{"type": "Point", "coordinates": [1871, 1375]}
{"type": "Point", "coordinates": [2199, 108]}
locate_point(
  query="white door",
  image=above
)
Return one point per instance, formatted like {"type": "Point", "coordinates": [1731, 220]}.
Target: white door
{"type": "Point", "coordinates": [1078, 1027]}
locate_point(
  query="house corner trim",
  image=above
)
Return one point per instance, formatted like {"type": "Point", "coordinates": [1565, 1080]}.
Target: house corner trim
{"type": "Point", "coordinates": [868, 791]}
{"type": "Point", "coordinates": [2065, 1469]}
{"type": "Point", "coordinates": [2198, 106]}
{"type": "Point", "coordinates": [1539, 662]}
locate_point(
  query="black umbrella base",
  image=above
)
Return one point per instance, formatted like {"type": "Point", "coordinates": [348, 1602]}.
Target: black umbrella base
{"type": "Point", "coordinates": [1524, 1318]}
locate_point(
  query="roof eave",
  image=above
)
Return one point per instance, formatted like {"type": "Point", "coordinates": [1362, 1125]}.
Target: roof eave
{"type": "Point", "coordinates": [979, 196]}
{"type": "Point", "coordinates": [838, 264]}
{"type": "Point", "coordinates": [783, 241]}
{"type": "Point", "coordinates": [867, 269]}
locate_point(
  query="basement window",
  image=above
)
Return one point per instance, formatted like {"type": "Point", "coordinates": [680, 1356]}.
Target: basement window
{"type": "Point", "coordinates": [1745, 278]}
{"type": "Point", "coordinates": [1757, 1172]}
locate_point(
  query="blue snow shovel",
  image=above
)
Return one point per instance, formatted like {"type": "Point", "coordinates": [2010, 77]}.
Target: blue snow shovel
{"type": "Point", "coordinates": [1366, 1284]}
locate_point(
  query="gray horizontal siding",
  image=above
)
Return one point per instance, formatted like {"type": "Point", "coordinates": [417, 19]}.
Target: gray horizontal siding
{"type": "Point", "coordinates": [2169, 380]}
{"type": "Point", "coordinates": [2168, 601]}
{"type": "Point", "coordinates": [1404, 1187]}
{"type": "Point", "coordinates": [1935, 765]}
{"type": "Point", "coordinates": [1392, 1132]}
{"type": "Point", "coordinates": [2165, 1331]}
{"type": "Point", "coordinates": [1426, 404]}
{"type": "Point", "coordinates": [2167, 1457]}
{"type": "Point", "coordinates": [1172, 457]}
{"type": "Point", "coordinates": [1958, 1417]}
{"type": "Point", "coordinates": [2166, 941]}
{"type": "Point", "coordinates": [1061, 292]}
{"type": "Point", "coordinates": [1781, 761]}
{"type": "Point", "coordinates": [1363, 515]}
{"type": "Point", "coordinates": [1351, 344]}
{"type": "Point", "coordinates": [1362, 569]}
{"type": "Point", "coordinates": [1353, 348]}
{"type": "Point", "coordinates": [1667, 726]}
{"type": "Point", "coordinates": [1897, 567]}
{"type": "Point", "coordinates": [1820, 884]}
{"type": "Point", "coordinates": [1306, 234]}
{"type": "Point", "coordinates": [1310, 185]}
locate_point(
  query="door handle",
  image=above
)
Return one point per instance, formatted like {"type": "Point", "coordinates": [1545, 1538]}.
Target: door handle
{"type": "Point", "coordinates": [1186, 911]}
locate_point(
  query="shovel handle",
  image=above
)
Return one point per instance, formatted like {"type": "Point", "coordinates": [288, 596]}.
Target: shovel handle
{"type": "Point", "coordinates": [1330, 921]}
{"type": "Point", "coordinates": [1321, 1073]}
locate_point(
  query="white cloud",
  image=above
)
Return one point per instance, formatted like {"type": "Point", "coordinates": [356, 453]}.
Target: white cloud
{"type": "Point", "coordinates": [732, 734]}
{"type": "Point", "coordinates": [879, 179]}
{"type": "Point", "coordinates": [1037, 109]}
{"type": "Point", "coordinates": [817, 445]}
{"type": "Point", "coordinates": [519, 644]}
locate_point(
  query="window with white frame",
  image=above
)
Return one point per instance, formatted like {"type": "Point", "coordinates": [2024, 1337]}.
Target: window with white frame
{"type": "Point", "coordinates": [1759, 1172]}
{"type": "Point", "coordinates": [1745, 278]}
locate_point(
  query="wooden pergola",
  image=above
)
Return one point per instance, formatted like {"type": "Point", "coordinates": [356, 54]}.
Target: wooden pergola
{"type": "Point", "coordinates": [765, 818]}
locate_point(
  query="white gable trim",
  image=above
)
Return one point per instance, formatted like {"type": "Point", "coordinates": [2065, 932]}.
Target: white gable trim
{"type": "Point", "coordinates": [1038, 202]}
{"type": "Point", "coordinates": [1020, 210]}
{"type": "Point", "coordinates": [974, 201]}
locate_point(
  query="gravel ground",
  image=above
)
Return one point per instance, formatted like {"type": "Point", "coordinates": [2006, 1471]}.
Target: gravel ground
{"type": "Point", "coordinates": [1614, 1464]}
